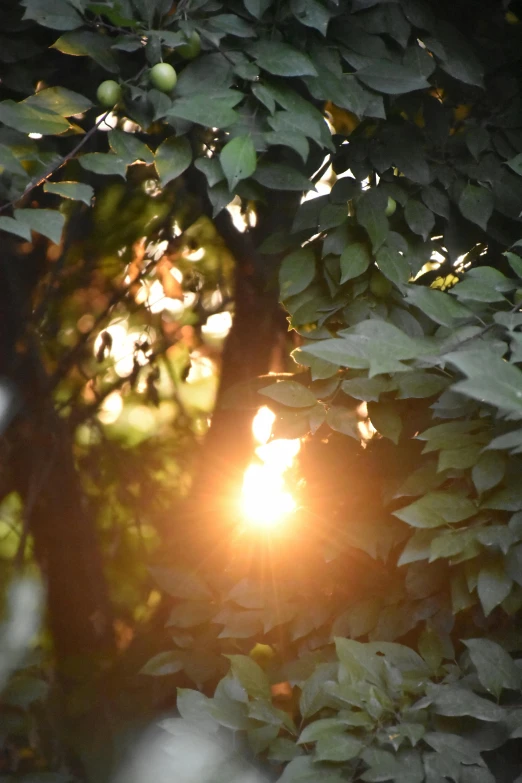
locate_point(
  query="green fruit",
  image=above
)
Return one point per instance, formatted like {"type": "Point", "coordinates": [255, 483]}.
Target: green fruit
{"type": "Point", "coordinates": [190, 49]}
{"type": "Point", "coordinates": [391, 206]}
{"type": "Point", "coordinates": [108, 93]}
{"type": "Point", "coordinates": [380, 286]}
{"type": "Point", "coordinates": [163, 77]}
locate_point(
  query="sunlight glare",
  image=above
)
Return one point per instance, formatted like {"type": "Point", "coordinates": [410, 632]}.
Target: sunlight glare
{"type": "Point", "coordinates": [265, 498]}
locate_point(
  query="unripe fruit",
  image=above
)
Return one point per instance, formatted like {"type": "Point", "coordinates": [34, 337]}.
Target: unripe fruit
{"type": "Point", "coordinates": [380, 286]}
{"type": "Point", "coordinates": [163, 77]}
{"type": "Point", "coordinates": [511, 18]}
{"type": "Point", "coordinates": [190, 49]}
{"type": "Point", "coordinates": [108, 93]}
{"type": "Point", "coordinates": [391, 206]}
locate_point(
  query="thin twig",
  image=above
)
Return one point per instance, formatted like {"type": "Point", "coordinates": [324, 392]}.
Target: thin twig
{"type": "Point", "coordinates": [52, 169]}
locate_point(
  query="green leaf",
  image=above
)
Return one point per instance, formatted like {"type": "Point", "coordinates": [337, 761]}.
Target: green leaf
{"type": "Point", "coordinates": [515, 164]}
{"type": "Point", "coordinates": [482, 284]}
{"type": "Point", "coordinates": [294, 140]}
{"type": "Point", "coordinates": [238, 159]}
{"type": "Point", "coordinates": [297, 272]}
{"type": "Point", "coordinates": [278, 176]}
{"type": "Point", "coordinates": [372, 344]}
{"type": "Point", "coordinates": [290, 393]}
{"type": "Point", "coordinates": [391, 78]}
{"type": "Point", "coordinates": [48, 222]}
{"type": "Point", "coordinates": [355, 259]}
{"type": "Point", "coordinates": [59, 100]}
{"type": "Point", "coordinates": [214, 109]}
{"type": "Point", "coordinates": [490, 379]}
{"type": "Point", "coordinates": [49, 13]}
{"type": "Point", "coordinates": [194, 707]}
{"type": "Point", "coordinates": [419, 218]}
{"type": "Point", "coordinates": [257, 7]}
{"type": "Point", "coordinates": [343, 420]}
{"type": "Point", "coordinates": [393, 265]}
{"type": "Point", "coordinates": [26, 119]}
{"type": "Point", "coordinates": [311, 13]}
{"type": "Point", "coordinates": [386, 420]}
{"type": "Point", "coordinates": [437, 305]}
{"type": "Point", "coordinates": [476, 204]}
{"type": "Point", "coordinates": [418, 547]}
{"type": "Point", "coordinates": [103, 163]}
{"type": "Point", "coordinates": [188, 614]}
{"type": "Point", "coordinates": [172, 158]}
{"type": "Point", "coordinates": [488, 471]}
{"type": "Point", "coordinates": [436, 509]}
{"type": "Point", "coordinates": [77, 191]}
{"type": "Point", "coordinates": [181, 583]}
{"type": "Point", "coordinates": [281, 59]}
{"type": "Point", "coordinates": [231, 24]}
{"type": "Point", "coordinates": [163, 664]}
{"type": "Point", "coordinates": [338, 747]}
{"type": "Point", "coordinates": [370, 215]}
{"type": "Point", "coordinates": [15, 227]}
{"type": "Point", "coordinates": [454, 701]}
{"type": "Point", "coordinates": [251, 676]}
{"type": "Point", "coordinates": [10, 162]}
{"type": "Point", "coordinates": [420, 384]}
{"type": "Point", "coordinates": [211, 168]}
{"type": "Point", "coordinates": [495, 668]}
{"type": "Point", "coordinates": [493, 585]}
{"type": "Point", "coordinates": [304, 769]}
{"type": "Point", "coordinates": [129, 148]}
{"type": "Point", "coordinates": [367, 388]}
{"type": "Point", "coordinates": [82, 43]}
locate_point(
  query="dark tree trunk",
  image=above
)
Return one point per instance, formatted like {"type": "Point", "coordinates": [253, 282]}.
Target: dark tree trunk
{"type": "Point", "coordinates": [41, 468]}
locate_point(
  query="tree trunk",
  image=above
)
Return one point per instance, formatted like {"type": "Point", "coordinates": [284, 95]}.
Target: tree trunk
{"type": "Point", "coordinates": [41, 469]}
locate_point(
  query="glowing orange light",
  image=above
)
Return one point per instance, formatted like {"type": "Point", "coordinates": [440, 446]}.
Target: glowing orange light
{"type": "Point", "coordinates": [265, 498]}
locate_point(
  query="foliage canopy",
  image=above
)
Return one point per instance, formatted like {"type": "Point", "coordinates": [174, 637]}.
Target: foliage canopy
{"type": "Point", "coordinates": [394, 639]}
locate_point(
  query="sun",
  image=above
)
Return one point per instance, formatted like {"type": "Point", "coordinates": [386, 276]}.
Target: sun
{"type": "Point", "coordinates": [265, 498]}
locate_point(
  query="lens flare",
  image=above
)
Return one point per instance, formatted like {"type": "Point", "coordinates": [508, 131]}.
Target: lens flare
{"type": "Point", "coordinates": [265, 498]}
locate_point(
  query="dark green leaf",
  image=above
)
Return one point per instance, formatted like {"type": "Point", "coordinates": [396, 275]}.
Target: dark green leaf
{"type": "Point", "coordinates": [355, 259]}
{"type": "Point", "coordinates": [48, 222]}
{"type": "Point", "coordinates": [250, 675]}
{"type": "Point", "coordinates": [281, 177]}
{"type": "Point", "coordinates": [215, 109]}
{"type": "Point", "coordinates": [27, 119]}
{"type": "Point", "coordinates": [419, 218]}
{"type": "Point", "coordinates": [58, 100]}
{"type": "Point", "coordinates": [311, 13]}
{"type": "Point", "coordinates": [290, 393]}
{"type": "Point", "coordinates": [49, 13]}
{"type": "Point", "coordinates": [78, 191]}
{"type": "Point", "coordinates": [490, 379]}
{"type": "Point", "coordinates": [15, 227]}
{"type": "Point", "coordinates": [495, 667]}
{"type": "Point", "coordinates": [488, 471]}
{"type": "Point", "coordinates": [163, 664]}
{"type": "Point", "coordinates": [476, 204]}
{"type": "Point", "coordinates": [391, 78]}
{"type": "Point", "coordinates": [282, 59]}
{"type": "Point", "coordinates": [129, 148]}
{"type": "Point", "coordinates": [81, 43]}
{"type": "Point", "coordinates": [172, 158]}
{"type": "Point", "coordinates": [454, 701]}
{"type": "Point", "coordinates": [437, 305]}
{"type": "Point", "coordinates": [493, 586]}
{"type": "Point", "coordinates": [103, 163]}
{"type": "Point", "coordinates": [238, 160]}
{"type": "Point", "coordinates": [297, 272]}
{"type": "Point", "coordinates": [437, 509]}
